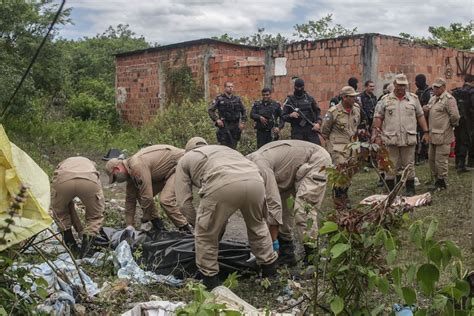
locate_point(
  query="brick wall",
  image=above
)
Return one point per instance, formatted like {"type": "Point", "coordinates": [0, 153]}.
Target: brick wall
{"type": "Point", "coordinates": [401, 56]}
{"type": "Point", "coordinates": [325, 65]}
{"type": "Point", "coordinates": [141, 85]}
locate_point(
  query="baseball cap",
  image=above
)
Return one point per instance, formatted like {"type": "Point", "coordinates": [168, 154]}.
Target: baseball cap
{"type": "Point", "coordinates": [299, 83]}
{"type": "Point", "coordinates": [439, 82]}
{"type": "Point", "coordinates": [348, 90]}
{"type": "Point", "coordinates": [401, 79]}
{"type": "Point", "coordinates": [194, 142]}
{"type": "Point", "coordinates": [109, 168]}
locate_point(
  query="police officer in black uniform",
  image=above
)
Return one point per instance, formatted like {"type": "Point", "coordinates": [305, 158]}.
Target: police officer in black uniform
{"type": "Point", "coordinates": [303, 113]}
{"type": "Point", "coordinates": [369, 101]}
{"type": "Point", "coordinates": [463, 132]}
{"type": "Point", "coordinates": [230, 117]}
{"type": "Point", "coordinates": [266, 113]}
{"type": "Point", "coordinates": [424, 93]}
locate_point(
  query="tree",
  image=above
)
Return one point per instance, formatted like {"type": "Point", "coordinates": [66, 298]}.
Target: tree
{"type": "Point", "coordinates": [456, 36]}
{"type": "Point", "coordinates": [321, 29]}
{"type": "Point", "coordinates": [260, 38]}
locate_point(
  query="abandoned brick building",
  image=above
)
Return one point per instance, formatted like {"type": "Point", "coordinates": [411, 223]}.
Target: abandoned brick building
{"type": "Point", "coordinates": [145, 79]}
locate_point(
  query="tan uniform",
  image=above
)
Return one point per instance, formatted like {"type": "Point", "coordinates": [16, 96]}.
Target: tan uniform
{"type": "Point", "coordinates": [399, 130]}
{"type": "Point", "coordinates": [227, 182]}
{"type": "Point", "coordinates": [292, 167]}
{"type": "Point", "coordinates": [78, 177]}
{"type": "Point", "coordinates": [152, 171]}
{"type": "Point", "coordinates": [339, 126]}
{"type": "Point", "coordinates": [443, 117]}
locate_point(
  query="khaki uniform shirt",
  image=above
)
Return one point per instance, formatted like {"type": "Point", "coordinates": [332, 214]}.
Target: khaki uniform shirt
{"type": "Point", "coordinates": [279, 162]}
{"type": "Point", "coordinates": [339, 126]}
{"type": "Point", "coordinates": [400, 118]}
{"type": "Point", "coordinates": [76, 167]}
{"type": "Point", "coordinates": [150, 165]}
{"type": "Point", "coordinates": [443, 116]}
{"type": "Point", "coordinates": [209, 168]}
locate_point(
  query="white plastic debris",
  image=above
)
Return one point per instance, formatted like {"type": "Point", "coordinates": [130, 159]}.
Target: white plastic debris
{"type": "Point", "coordinates": [129, 269]}
{"type": "Point", "coordinates": [154, 308]}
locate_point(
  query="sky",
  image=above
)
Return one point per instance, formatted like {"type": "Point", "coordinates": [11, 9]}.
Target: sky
{"type": "Point", "coordinates": [166, 21]}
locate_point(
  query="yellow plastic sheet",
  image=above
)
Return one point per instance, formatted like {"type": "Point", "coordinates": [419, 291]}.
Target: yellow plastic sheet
{"type": "Point", "coordinates": [17, 168]}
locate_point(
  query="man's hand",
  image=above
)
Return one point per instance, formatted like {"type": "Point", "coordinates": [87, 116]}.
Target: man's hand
{"type": "Point", "coordinates": [242, 126]}
{"type": "Point", "coordinates": [316, 127]}
{"type": "Point", "coordinates": [426, 109]}
{"type": "Point", "coordinates": [220, 123]}
{"type": "Point", "coordinates": [294, 115]}
{"type": "Point", "coordinates": [276, 130]}
{"type": "Point", "coordinates": [263, 120]}
{"type": "Point", "coordinates": [426, 138]}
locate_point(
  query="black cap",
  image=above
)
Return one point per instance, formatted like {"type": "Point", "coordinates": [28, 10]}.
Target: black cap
{"type": "Point", "coordinates": [299, 83]}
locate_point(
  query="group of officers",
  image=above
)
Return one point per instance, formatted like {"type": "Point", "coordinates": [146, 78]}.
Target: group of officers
{"type": "Point", "coordinates": [260, 183]}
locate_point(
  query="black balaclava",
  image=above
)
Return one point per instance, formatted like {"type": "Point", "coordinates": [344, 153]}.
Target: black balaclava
{"type": "Point", "coordinates": [420, 81]}
{"type": "Point", "coordinates": [353, 82]}
{"type": "Point", "coordinates": [299, 83]}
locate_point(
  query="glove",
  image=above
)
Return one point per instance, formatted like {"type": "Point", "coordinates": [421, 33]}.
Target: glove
{"type": "Point", "coordinates": [276, 245]}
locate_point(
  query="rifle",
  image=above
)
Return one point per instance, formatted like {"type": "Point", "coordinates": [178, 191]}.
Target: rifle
{"type": "Point", "coordinates": [297, 110]}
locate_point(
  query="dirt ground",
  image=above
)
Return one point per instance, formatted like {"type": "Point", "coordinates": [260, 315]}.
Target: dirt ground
{"type": "Point", "coordinates": [451, 207]}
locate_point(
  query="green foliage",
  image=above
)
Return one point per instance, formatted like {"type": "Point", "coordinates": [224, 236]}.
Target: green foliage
{"type": "Point", "coordinates": [181, 85]}
{"type": "Point", "coordinates": [260, 38]}
{"type": "Point", "coordinates": [204, 304]}
{"type": "Point", "coordinates": [20, 291]}
{"type": "Point", "coordinates": [456, 35]}
{"type": "Point", "coordinates": [232, 280]}
{"type": "Point", "coordinates": [321, 29]}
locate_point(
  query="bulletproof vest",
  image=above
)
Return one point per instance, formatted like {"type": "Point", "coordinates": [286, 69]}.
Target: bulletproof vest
{"type": "Point", "coordinates": [304, 104]}
{"type": "Point", "coordinates": [267, 110]}
{"type": "Point", "coordinates": [229, 108]}
{"type": "Point", "coordinates": [424, 95]}
{"type": "Point", "coordinates": [368, 105]}
{"type": "Point", "coordinates": [463, 99]}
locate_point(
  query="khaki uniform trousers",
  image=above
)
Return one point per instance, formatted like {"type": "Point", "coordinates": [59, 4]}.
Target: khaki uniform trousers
{"type": "Point", "coordinates": [310, 187]}
{"type": "Point", "coordinates": [167, 202]}
{"type": "Point", "coordinates": [402, 156]}
{"type": "Point", "coordinates": [438, 157]}
{"type": "Point", "coordinates": [89, 192]}
{"type": "Point", "coordinates": [212, 215]}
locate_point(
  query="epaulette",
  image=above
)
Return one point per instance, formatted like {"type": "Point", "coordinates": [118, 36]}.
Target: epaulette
{"type": "Point", "coordinates": [413, 95]}
{"type": "Point", "coordinates": [449, 96]}
{"type": "Point", "coordinates": [384, 96]}
{"type": "Point", "coordinates": [332, 108]}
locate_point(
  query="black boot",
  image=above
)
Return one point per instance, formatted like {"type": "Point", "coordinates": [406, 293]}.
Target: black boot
{"type": "Point", "coordinates": [158, 224]}
{"type": "Point", "coordinates": [286, 254]}
{"type": "Point", "coordinates": [410, 188]}
{"type": "Point", "coordinates": [87, 246]}
{"type": "Point", "coordinates": [461, 166]}
{"type": "Point", "coordinates": [70, 241]}
{"type": "Point", "coordinates": [390, 184]}
{"type": "Point", "coordinates": [210, 282]}
{"type": "Point", "coordinates": [269, 270]}
{"type": "Point", "coordinates": [439, 185]}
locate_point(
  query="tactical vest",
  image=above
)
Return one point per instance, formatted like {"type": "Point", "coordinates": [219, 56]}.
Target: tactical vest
{"type": "Point", "coordinates": [267, 110]}
{"type": "Point", "coordinates": [229, 108]}
{"type": "Point", "coordinates": [463, 99]}
{"type": "Point", "coordinates": [304, 104]}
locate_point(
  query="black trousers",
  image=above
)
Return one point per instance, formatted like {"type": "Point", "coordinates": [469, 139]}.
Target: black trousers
{"type": "Point", "coordinates": [461, 133]}
{"type": "Point", "coordinates": [305, 133]}
{"type": "Point", "coordinates": [263, 137]}
{"type": "Point", "coordinates": [229, 135]}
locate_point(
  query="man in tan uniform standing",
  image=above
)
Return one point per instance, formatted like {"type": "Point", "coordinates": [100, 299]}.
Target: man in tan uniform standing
{"type": "Point", "coordinates": [292, 167]}
{"type": "Point", "coordinates": [399, 111]}
{"type": "Point", "coordinates": [340, 125]}
{"type": "Point", "coordinates": [443, 116]}
{"type": "Point", "coordinates": [78, 177]}
{"type": "Point", "coordinates": [149, 172]}
{"type": "Point", "coordinates": [227, 181]}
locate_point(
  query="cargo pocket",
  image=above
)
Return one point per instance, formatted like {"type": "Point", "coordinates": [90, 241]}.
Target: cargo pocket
{"type": "Point", "coordinates": [205, 214]}
{"type": "Point", "coordinates": [411, 137]}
